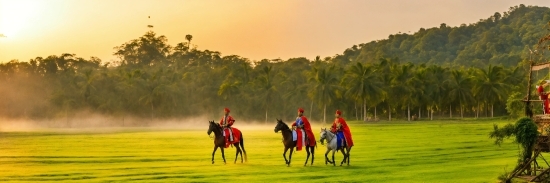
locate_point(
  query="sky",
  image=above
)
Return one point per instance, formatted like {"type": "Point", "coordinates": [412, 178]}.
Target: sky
{"type": "Point", "coordinates": [254, 29]}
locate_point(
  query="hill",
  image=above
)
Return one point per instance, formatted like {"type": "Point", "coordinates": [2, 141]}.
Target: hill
{"type": "Point", "coordinates": [502, 39]}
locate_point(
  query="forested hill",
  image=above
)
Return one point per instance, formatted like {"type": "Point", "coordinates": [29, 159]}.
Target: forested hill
{"type": "Point", "coordinates": [502, 39]}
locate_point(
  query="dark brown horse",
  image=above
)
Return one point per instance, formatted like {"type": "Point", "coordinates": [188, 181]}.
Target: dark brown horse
{"type": "Point", "coordinates": [219, 141]}
{"type": "Point", "coordinates": [290, 144]}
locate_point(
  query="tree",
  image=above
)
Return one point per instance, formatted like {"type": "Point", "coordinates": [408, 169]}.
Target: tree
{"type": "Point", "coordinates": [489, 86]}
{"type": "Point", "coordinates": [363, 83]}
{"type": "Point", "coordinates": [324, 86]}
{"type": "Point", "coordinates": [188, 37]}
{"type": "Point", "coordinates": [147, 50]}
{"type": "Point", "coordinates": [459, 87]}
{"type": "Point", "coordinates": [265, 82]}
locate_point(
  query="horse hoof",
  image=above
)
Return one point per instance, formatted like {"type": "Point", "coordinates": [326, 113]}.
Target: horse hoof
{"type": "Point", "coordinates": [212, 162]}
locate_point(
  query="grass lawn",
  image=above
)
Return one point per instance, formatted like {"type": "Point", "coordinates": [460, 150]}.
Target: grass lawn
{"type": "Point", "coordinates": [425, 151]}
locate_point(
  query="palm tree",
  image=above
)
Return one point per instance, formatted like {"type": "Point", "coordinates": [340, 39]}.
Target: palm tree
{"type": "Point", "coordinates": [155, 90]}
{"type": "Point", "coordinates": [459, 87]}
{"type": "Point", "coordinates": [385, 67]}
{"type": "Point", "coordinates": [436, 86]}
{"type": "Point", "coordinates": [266, 86]}
{"type": "Point", "coordinates": [362, 83]}
{"type": "Point", "coordinates": [401, 85]}
{"type": "Point", "coordinates": [489, 85]}
{"type": "Point", "coordinates": [188, 37]}
{"type": "Point", "coordinates": [422, 92]}
{"type": "Point", "coordinates": [324, 87]}
{"type": "Point", "coordinates": [228, 89]}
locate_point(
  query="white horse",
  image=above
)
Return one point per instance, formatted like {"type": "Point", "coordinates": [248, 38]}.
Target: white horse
{"type": "Point", "coordinates": [332, 146]}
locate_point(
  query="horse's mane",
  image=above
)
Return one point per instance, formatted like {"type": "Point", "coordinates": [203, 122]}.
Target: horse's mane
{"type": "Point", "coordinates": [285, 125]}
{"type": "Point", "coordinates": [215, 125]}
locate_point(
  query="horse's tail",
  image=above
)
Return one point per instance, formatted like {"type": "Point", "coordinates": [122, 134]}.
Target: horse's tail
{"type": "Point", "coordinates": [242, 146]}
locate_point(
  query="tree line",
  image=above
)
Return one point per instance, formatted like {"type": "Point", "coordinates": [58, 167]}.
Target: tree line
{"type": "Point", "coordinates": [155, 80]}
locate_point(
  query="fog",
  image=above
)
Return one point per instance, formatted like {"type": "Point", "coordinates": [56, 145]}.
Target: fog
{"type": "Point", "coordinates": [97, 123]}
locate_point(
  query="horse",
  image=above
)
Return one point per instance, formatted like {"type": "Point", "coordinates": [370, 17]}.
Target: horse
{"type": "Point", "coordinates": [290, 144]}
{"type": "Point", "coordinates": [332, 146]}
{"type": "Point", "coordinates": [219, 141]}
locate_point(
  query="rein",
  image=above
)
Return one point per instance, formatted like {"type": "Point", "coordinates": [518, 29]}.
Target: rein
{"type": "Point", "coordinates": [285, 129]}
{"type": "Point", "coordinates": [214, 137]}
{"type": "Point", "coordinates": [328, 136]}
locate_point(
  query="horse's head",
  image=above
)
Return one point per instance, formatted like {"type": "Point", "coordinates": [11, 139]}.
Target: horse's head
{"type": "Point", "coordinates": [323, 135]}
{"type": "Point", "coordinates": [212, 127]}
{"type": "Point", "coordinates": [280, 126]}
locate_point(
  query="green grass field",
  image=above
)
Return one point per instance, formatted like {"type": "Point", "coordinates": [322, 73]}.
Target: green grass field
{"type": "Point", "coordinates": [442, 151]}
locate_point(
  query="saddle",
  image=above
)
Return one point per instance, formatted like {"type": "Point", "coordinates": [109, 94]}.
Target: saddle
{"type": "Point", "coordinates": [340, 139]}
{"type": "Point", "coordinates": [299, 138]}
{"type": "Point", "coordinates": [236, 136]}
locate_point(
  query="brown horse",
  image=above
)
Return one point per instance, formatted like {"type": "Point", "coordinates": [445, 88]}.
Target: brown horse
{"type": "Point", "coordinates": [219, 141]}
{"type": "Point", "coordinates": [290, 144]}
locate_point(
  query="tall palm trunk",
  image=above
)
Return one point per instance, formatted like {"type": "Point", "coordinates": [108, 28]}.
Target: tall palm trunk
{"type": "Point", "coordinates": [389, 112]}
{"type": "Point", "coordinates": [374, 113]}
{"type": "Point", "coordinates": [311, 109]}
{"type": "Point", "coordinates": [450, 111]}
{"type": "Point", "coordinates": [477, 110]}
{"type": "Point", "coordinates": [365, 109]}
{"type": "Point", "coordinates": [461, 111]}
{"type": "Point", "coordinates": [408, 112]}
{"type": "Point", "coordinates": [492, 105]}
{"type": "Point", "coordinates": [152, 112]}
{"type": "Point", "coordinates": [419, 112]}
{"type": "Point", "coordinates": [431, 113]}
{"type": "Point", "coordinates": [486, 110]}
{"type": "Point", "coordinates": [325, 114]}
{"type": "Point", "coordinates": [356, 117]}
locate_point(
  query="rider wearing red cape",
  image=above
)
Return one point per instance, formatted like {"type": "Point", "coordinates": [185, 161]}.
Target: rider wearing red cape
{"type": "Point", "coordinates": [340, 125]}
{"type": "Point", "coordinates": [302, 123]}
{"type": "Point", "coordinates": [232, 135]}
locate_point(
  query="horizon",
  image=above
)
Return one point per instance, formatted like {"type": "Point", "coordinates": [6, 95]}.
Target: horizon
{"type": "Point", "coordinates": [277, 29]}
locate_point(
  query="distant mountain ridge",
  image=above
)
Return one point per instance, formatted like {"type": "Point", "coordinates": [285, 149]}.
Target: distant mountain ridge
{"type": "Point", "coordinates": [502, 39]}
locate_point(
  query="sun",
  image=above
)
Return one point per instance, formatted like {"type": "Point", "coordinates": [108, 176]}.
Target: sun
{"type": "Point", "coordinates": [16, 16]}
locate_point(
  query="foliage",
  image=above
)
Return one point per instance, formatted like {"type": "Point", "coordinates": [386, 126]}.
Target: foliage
{"type": "Point", "coordinates": [424, 74]}
{"type": "Point", "coordinates": [525, 132]}
{"type": "Point", "coordinates": [514, 105]}
{"type": "Point", "coordinates": [526, 135]}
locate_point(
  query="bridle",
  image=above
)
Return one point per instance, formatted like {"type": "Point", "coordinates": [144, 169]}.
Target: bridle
{"type": "Point", "coordinates": [328, 136]}
{"type": "Point", "coordinates": [215, 126]}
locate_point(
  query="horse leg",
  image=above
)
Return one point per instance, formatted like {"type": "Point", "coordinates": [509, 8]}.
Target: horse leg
{"type": "Point", "coordinates": [333, 162]}
{"type": "Point", "coordinates": [312, 154]}
{"type": "Point", "coordinates": [214, 152]}
{"type": "Point", "coordinates": [241, 151]}
{"type": "Point", "coordinates": [237, 152]}
{"type": "Point", "coordinates": [349, 150]}
{"type": "Point", "coordinates": [290, 156]}
{"type": "Point", "coordinates": [307, 150]}
{"type": "Point", "coordinates": [345, 157]}
{"type": "Point", "coordinates": [284, 155]}
{"type": "Point", "coordinates": [223, 155]}
{"type": "Point", "coordinates": [326, 157]}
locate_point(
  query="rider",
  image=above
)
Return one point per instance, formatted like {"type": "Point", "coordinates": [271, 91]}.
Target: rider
{"type": "Point", "coordinates": [302, 123]}
{"type": "Point", "coordinates": [341, 129]}
{"type": "Point", "coordinates": [226, 122]}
